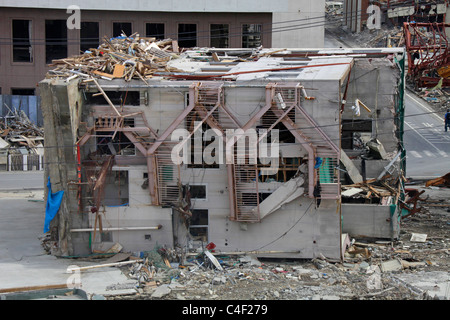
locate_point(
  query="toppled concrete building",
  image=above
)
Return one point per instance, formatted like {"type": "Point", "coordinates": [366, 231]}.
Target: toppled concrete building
{"type": "Point", "coordinates": [246, 148]}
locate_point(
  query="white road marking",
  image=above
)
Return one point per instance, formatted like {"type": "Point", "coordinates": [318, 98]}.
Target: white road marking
{"type": "Point", "coordinates": [415, 154]}
{"type": "Point", "coordinates": [424, 106]}
{"type": "Point", "coordinates": [424, 138]}
{"type": "Point", "coordinates": [428, 153]}
{"type": "Point", "coordinates": [443, 154]}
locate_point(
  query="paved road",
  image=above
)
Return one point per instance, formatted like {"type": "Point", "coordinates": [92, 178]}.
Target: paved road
{"type": "Point", "coordinates": [21, 180]}
{"type": "Point", "coordinates": [427, 145]}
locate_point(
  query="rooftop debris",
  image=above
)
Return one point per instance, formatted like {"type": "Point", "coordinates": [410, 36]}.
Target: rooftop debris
{"type": "Point", "coordinates": [126, 57]}
{"type": "Point", "coordinates": [19, 136]}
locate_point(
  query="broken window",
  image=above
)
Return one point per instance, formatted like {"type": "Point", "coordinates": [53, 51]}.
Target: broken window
{"type": "Point", "coordinates": [116, 189]}
{"type": "Point", "coordinates": [55, 40]}
{"type": "Point", "coordinates": [89, 35]}
{"type": "Point", "coordinates": [284, 133]}
{"type": "Point", "coordinates": [116, 143]}
{"type": "Point", "coordinates": [195, 191]}
{"type": "Point", "coordinates": [22, 91]}
{"type": "Point", "coordinates": [354, 132]}
{"type": "Point", "coordinates": [187, 35]}
{"type": "Point", "coordinates": [219, 35]}
{"type": "Point", "coordinates": [287, 169]}
{"type": "Point", "coordinates": [251, 35]}
{"type": "Point", "coordinates": [198, 224]}
{"type": "Point", "coordinates": [21, 33]}
{"type": "Point", "coordinates": [121, 27]}
{"type": "Point", "coordinates": [155, 30]}
{"type": "Point", "coordinates": [200, 141]}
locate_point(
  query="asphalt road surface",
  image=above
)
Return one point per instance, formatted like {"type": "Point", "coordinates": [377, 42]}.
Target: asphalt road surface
{"type": "Point", "coordinates": [21, 180]}
{"type": "Point", "coordinates": [427, 145]}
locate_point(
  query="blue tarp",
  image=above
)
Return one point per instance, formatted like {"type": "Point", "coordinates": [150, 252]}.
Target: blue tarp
{"type": "Point", "coordinates": [53, 204]}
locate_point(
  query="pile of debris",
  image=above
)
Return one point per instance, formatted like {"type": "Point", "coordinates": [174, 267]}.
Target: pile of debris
{"type": "Point", "coordinates": [438, 97]}
{"type": "Point", "coordinates": [19, 136]}
{"type": "Point", "coordinates": [127, 57]}
{"type": "Point", "coordinates": [369, 271]}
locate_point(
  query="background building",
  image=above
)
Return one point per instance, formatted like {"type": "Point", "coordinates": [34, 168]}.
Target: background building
{"type": "Point", "coordinates": [35, 32]}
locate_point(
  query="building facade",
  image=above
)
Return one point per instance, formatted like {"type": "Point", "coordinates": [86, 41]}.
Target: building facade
{"type": "Point", "coordinates": [35, 32]}
{"type": "Point", "coordinates": [137, 172]}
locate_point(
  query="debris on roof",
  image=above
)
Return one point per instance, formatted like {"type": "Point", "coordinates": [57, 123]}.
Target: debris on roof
{"type": "Point", "coordinates": [127, 57]}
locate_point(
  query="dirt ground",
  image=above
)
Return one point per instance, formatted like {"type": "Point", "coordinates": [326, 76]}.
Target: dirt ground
{"type": "Point", "coordinates": [371, 270]}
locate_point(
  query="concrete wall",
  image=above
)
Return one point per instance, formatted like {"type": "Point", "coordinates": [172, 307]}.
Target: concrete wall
{"type": "Point", "coordinates": [374, 82]}
{"type": "Point", "coordinates": [307, 18]}
{"type": "Point", "coordinates": [369, 221]}
{"type": "Point", "coordinates": [60, 164]}
{"type": "Point", "coordinates": [297, 227]}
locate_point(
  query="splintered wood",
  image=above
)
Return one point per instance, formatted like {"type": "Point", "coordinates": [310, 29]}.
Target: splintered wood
{"type": "Point", "coordinates": [127, 58]}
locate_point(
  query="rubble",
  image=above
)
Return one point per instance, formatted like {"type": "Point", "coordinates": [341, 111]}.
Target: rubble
{"type": "Point", "coordinates": [371, 269]}
{"type": "Point", "coordinates": [18, 136]}
{"type": "Point", "coordinates": [124, 57]}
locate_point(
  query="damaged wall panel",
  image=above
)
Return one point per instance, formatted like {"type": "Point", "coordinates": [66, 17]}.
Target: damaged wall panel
{"type": "Point", "coordinates": [305, 105]}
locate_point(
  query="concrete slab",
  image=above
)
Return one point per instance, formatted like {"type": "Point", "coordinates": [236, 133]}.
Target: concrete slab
{"type": "Point", "coordinates": [434, 283]}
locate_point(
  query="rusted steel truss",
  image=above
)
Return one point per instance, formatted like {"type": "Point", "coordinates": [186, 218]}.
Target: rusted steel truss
{"type": "Point", "coordinates": [427, 47]}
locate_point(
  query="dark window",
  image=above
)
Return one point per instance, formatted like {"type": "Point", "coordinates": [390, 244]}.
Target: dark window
{"type": "Point", "coordinates": [155, 30]}
{"type": "Point", "coordinates": [106, 237]}
{"type": "Point", "coordinates": [196, 192]}
{"type": "Point", "coordinates": [251, 35]}
{"type": "Point", "coordinates": [187, 35]}
{"type": "Point", "coordinates": [22, 91]}
{"type": "Point", "coordinates": [285, 135]}
{"type": "Point", "coordinates": [118, 98]}
{"type": "Point", "coordinates": [198, 225]}
{"type": "Point", "coordinates": [199, 144]}
{"type": "Point", "coordinates": [89, 35]}
{"type": "Point", "coordinates": [121, 27]}
{"type": "Point", "coordinates": [352, 131]}
{"type": "Point", "coordinates": [55, 40]}
{"type": "Point", "coordinates": [116, 189]}
{"type": "Point", "coordinates": [117, 144]}
{"type": "Point", "coordinates": [219, 35]}
{"type": "Point", "coordinates": [22, 50]}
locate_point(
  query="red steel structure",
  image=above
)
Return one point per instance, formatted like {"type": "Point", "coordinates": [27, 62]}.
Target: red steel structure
{"type": "Point", "coordinates": [427, 48]}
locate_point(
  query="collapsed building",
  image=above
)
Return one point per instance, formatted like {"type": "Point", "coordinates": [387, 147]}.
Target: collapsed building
{"type": "Point", "coordinates": [275, 151]}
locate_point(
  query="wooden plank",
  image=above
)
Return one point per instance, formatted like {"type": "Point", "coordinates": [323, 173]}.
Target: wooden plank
{"type": "Point", "coordinates": [117, 264]}
{"type": "Point", "coordinates": [103, 74]}
{"type": "Point", "coordinates": [34, 288]}
{"type": "Point", "coordinates": [119, 70]}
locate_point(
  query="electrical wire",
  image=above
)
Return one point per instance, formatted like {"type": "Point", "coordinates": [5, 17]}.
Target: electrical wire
{"type": "Point", "coordinates": [328, 20]}
{"type": "Point", "coordinates": [300, 128]}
